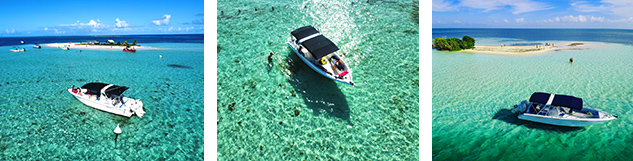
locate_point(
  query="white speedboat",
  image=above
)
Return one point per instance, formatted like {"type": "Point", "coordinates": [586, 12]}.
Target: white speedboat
{"type": "Point", "coordinates": [18, 50]}
{"type": "Point", "coordinates": [107, 97]}
{"type": "Point", "coordinates": [37, 46]}
{"type": "Point", "coordinates": [561, 110]}
{"type": "Point", "coordinates": [65, 48]}
{"type": "Point", "coordinates": [319, 53]}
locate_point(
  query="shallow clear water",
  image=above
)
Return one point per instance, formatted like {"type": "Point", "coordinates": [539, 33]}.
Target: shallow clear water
{"type": "Point", "coordinates": [41, 121]}
{"type": "Point", "coordinates": [473, 95]}
{"type": "Point", "coordinates": [284, 110]}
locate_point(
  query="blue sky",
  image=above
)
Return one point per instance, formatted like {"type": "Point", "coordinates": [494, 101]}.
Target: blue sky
{"type": "Point", "coordinates": [96, 17]}
{"type": "Point", "coordinates": [616, 14]}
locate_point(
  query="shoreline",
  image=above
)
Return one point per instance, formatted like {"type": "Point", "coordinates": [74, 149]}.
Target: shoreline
{"type": "Point", "coordinates": [94, 47]}
{"type": "Point", "coordinates": [532, 50]}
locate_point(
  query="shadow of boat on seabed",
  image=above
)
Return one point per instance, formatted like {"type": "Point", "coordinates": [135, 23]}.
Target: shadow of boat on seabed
{"type": "Point", "coordinates": [319, 93]}
{"type": "Point", "coordinates": [508, 116]}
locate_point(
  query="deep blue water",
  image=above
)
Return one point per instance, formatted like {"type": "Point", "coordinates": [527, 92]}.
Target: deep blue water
{"type": "Point", "coordinates": [601, 35]}
{"type": "Point", "coordinates": [182, 38]}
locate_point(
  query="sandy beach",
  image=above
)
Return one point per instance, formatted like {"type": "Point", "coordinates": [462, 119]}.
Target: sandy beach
{"type": "Point", "coordinates": [532, 49]}
{"type": "Point", "coordinates": [94, 47]}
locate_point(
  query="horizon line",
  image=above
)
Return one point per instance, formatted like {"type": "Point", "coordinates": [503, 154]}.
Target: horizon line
{"type": "Point", "coordinates": [529, 28]}
{"type": "Point", "coordinates": [138, 34]}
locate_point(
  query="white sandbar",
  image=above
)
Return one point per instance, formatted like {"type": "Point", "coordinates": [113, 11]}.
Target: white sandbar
{"type": "Point", "coordinates": [94, 47]}
{"type": "Point", "coordinates": [531, 50]}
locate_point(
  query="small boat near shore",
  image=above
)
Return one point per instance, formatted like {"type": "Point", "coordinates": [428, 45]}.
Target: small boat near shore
{"type": "Point", "coordinates": [37, 46]}
{"type": "Point", "coordinates": [18, 50]}
{"type": "Point", "coordinates": [108, 98]}
{"type": "Point", "coordinates": [561, 110]}
{"type": "Point", "coordinates": [318, 52]}
{"type": "Point", "coordinates": [129, 50]}
{"type": "Point", "coordinates": [66, 47]}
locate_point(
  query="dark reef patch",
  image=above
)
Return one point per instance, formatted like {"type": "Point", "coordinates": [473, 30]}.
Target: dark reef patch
{"type": "Point", "coordinates": [179, 66]}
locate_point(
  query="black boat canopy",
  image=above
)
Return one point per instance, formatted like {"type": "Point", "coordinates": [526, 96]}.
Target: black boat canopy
{"type": "Point", "coordinates": [559, 100]}
{"type": "Point", "coordinates": [303, 32]}
{"type": "Point", "coordinates": [95, 88]}
{"type": "Point", "coordinates": [318, 46]}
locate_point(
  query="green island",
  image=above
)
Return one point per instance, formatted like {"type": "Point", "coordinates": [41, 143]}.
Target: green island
{"type": "Point", "coordinates": [110, 43]}
{"type": "Point", "coordinates": [454, 44]}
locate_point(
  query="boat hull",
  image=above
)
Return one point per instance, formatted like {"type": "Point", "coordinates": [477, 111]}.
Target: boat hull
{"type": "Point", "coordinates": [316, 69]}
{"type": "Point", "coordinates": [561, 121]}
{"type": "Point", "coordinates": [104, 104]}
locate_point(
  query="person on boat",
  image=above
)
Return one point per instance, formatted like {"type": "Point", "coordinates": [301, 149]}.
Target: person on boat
{"type": "Point", "coordinates": [74, 90]}
{"type": "Point", "coordinates": [536, 108]}
{"type": "Point", "coordinates": [340, 65]}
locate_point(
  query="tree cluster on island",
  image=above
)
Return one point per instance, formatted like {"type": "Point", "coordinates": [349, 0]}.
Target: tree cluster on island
{"type": "Point", "coordinates": [454, 44]}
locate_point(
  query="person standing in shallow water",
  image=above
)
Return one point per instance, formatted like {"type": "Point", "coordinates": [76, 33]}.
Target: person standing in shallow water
{"type": "Point", "coordinates": [270, 61]}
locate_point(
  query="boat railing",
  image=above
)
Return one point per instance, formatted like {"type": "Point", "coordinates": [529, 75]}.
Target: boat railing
{"type": "Point", "coordinates": [544, 110]}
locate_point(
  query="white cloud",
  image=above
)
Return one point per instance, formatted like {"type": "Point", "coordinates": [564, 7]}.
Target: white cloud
{"type": "Point", "coordinates": [10, 31]}
{"type": "Point", "coordinates": [91, 24]}
{"type": "Point", "coordinates": [95, 24]}
{"type": "Point", "coordinates": [198, 22]}
{"type": "Point", "coordinates": [623, 8]}
{"type": "Point", "coordinates": [121, 24]}
{"type": "Point", "coordinates": [504, 20]}
{"type": "Point", "coordinates": [520, 20]}
{"type": "Point", "coordinates": [162, 21]}
{"type": "Point", "coordinates": [180, 29]}
{"type": "Point", "coordinates": [518, 6]}
{"type": "Point", "coordinates": [442, 5]}
{"type": "Point", "coordinates": [579, 18]}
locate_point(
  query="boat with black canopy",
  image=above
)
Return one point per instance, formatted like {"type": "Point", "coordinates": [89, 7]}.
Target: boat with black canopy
{"type": "Point", "coordinates": [108, 98]}
{"type": "Point", "coordinates": [320, 54]}
{"type": "Point", "coordinates": [561, 110]}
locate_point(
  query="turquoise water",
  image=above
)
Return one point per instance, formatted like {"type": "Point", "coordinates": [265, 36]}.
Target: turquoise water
{"type": "Point", "coordinates": [41, 121]}
{"type": "Point", "coordinates": [283, 110]}
{"type": "Point", "coordinates": [473, 95]}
